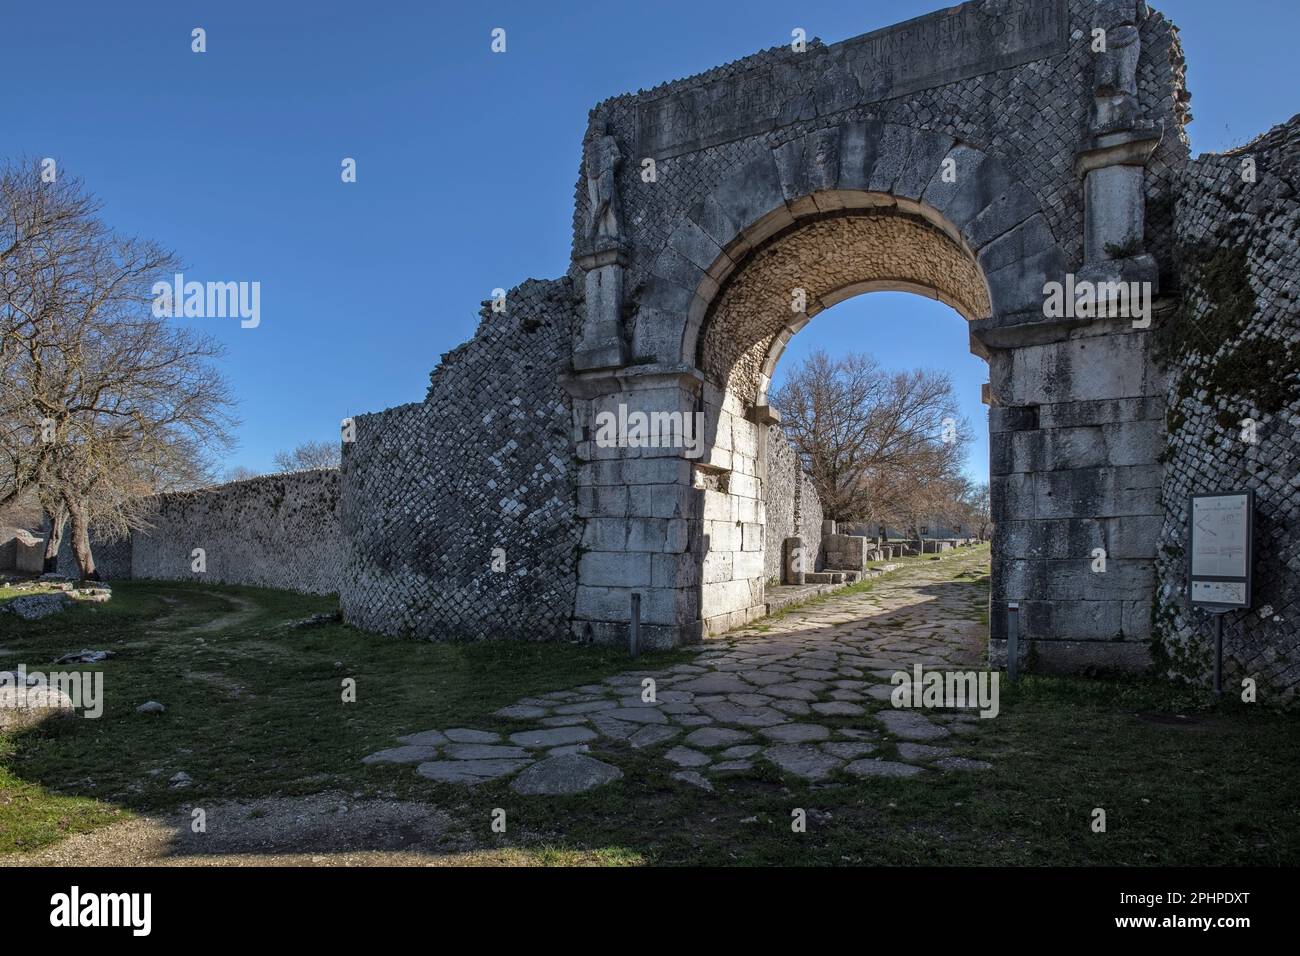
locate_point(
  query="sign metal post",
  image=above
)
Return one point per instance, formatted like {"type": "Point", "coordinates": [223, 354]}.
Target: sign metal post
{"type": "Point", "coordinates": [1221, 559]}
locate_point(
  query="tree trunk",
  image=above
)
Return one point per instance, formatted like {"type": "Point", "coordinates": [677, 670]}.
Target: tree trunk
{"type": "Point", "coordinates": [58, 519]}
{"type": "Point", "coordinates": [81, 543]}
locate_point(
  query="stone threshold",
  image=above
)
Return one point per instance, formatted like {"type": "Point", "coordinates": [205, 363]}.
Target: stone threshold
{"type": "Point", "coordinates": [783, 595]}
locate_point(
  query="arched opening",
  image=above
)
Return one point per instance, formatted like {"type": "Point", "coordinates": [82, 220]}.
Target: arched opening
{"type": "Point", "coordinates": [773, 292]}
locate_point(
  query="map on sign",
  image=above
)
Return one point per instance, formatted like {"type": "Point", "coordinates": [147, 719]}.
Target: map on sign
{"type": "Point", "coordinates": [1219, 536]}
{"type": "Point", "coordinates": [1218, 592]}
{"type": "Point", "coordinates": [1221, 549]}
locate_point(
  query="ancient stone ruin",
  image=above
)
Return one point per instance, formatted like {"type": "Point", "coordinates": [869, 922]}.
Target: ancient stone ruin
{"type": "Point", "coordinates": [991, 155]}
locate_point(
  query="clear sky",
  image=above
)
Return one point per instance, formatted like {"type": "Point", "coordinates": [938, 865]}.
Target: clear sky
{"type": "Point", "coordinates": [466, 160]}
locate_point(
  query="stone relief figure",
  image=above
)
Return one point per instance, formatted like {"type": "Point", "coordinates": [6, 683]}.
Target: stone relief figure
{"type": "Point", "coordinates": [1115, 77]}
{"type": "Point", "coordinates": [602, 160]}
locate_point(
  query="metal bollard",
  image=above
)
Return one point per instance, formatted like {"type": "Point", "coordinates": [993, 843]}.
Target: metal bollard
{"type": "Point", "coordinates": [1013, 641]}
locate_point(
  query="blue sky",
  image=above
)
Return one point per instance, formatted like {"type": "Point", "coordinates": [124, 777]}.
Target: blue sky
{"type": "Point", "coordinates": [466, 161]}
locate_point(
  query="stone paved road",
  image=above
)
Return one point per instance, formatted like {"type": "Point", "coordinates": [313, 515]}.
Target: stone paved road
{"type": "Point", "coordinates": [808, 691]}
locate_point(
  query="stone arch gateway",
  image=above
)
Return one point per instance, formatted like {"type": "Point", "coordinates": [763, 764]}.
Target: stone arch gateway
{"type": "Point", "coordinates": [972, 156]}
{"type": "Point", "coordinates": [976, 155]}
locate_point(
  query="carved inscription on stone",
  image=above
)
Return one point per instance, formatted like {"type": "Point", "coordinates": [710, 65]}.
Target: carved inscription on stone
{"type": "Point", "coordinates": [964, 41]}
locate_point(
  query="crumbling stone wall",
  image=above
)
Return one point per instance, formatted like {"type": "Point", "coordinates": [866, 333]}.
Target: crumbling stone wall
{"type": "Point", "coordinates": [809, 516]}
{"type": "Point", "coordinates": [112, 558]}
{"type": "Point", "coordinates": [780, 489]}
{"type": "Point", "coordinates": [485, 462]}
{"type": "Point", "coordinates": [276, 531]}
{"type": "Point", "coordinates": [1234, 352]}
{"type": "Point", "coordinates": [791, 505]}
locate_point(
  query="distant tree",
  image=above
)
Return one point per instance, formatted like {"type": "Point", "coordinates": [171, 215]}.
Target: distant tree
{"type": "Point", "coordinates": [102, 404]}
{"type": "Point", "coordinates": [240, 473]}
{"type": "Point", "coordinates": [877, 445]}
{"type": "Point", "coordinates": [978, 510]}
{"type": "Point", "coordinates": [309, 455]}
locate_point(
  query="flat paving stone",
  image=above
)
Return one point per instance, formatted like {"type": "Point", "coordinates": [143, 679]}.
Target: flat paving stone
{"type": "Point", "coordinates": [586, 707]}
{"type": "Point", "coordinates": [796, 708]}
{"type": "Point", "coordinates": [637, 715]}
{"type": "Point", "coordinates": [568, 749]}
{"type": "Point", "coordinates": [407, 754]}
{"type": "Point", "coordinates": [810, 763]}
{"type": "Point", "coordinates": [716, 684]}
{"type": "Point", "coordinates": [839, 708]}
{"type": "Point", "coordinates": [853, 733]}
{"type": "Point", "coordinates": [711, 737]}
{"type": "Point", "coordinates": [469, 771]}
{"type": "Point", "coordinates": [796, 733]}
{"type": "Point", "coordinates": [882, 768]}
{"type": "Point", "coordinates": [848, 749]}
{"type": "Point", "coordinates": [790, 691]}
{"type": "Point", "coordinates": [763, 678]}
{"type": "Point", "coordinates": [614, 729]}
{"type": "Point", "coordinates": [482, 751]}
{"type": "Point", "coordinates": [565, 774]}
{"type": "Point", "coordinates": [686, 757]}
{"type": "Point", "coordinates": [910, 725]}
{"type": "Point", "coordinates": [741, 752]}
{"type": "Point", "coordinates": [725, 712]}
{"type": "Point", "coordinates": [567, 720]}
{"type": "Point", "coordinates": [425, 738]}
{"type": "Point", "coordinates": [922, 752]}
{"type": "Point", "coordinates": [464, 735]}
{"type": "Point", "coordinates": [554, 737]}
{"type": "Point", "coordinates": [816, 675]}
{"type": "Point", "coordinates": [732, 766]}
{"type": "Point", "coordinates": [693, 720]}
{"type": "Point", "coordinates": [694, 779]}
{"type": "Point", "coordinates": [652, 734]}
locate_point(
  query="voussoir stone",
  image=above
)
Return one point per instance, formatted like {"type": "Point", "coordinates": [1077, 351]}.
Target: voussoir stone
{"type": "Point", "coordinates": [565, 774]}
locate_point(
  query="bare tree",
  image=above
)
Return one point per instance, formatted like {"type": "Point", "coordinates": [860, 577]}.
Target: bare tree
{"type": "Point", "coordinates": [309, 455]}
{"type": "Point", "coordinates": [877, 445]}
{"type": "Point", "coordinates": [240, 473]}
{"type": "Point", "coordinates": [103, 404]}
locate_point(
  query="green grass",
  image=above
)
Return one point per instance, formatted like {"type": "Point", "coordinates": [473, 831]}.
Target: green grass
{"type": "Point", "coordinates": [254, 710]}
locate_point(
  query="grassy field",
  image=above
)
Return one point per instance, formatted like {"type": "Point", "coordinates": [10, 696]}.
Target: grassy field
{"type": "Point", "coordinates": [254, 710]}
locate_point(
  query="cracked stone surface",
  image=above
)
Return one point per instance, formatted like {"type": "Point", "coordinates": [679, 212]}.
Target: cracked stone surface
{"type": "Point", "coordinates": [808, 693]}
{"type": "Point", "coordinates": [567, 773]}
